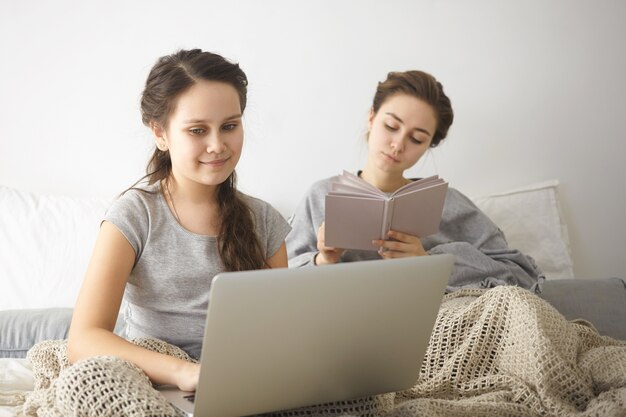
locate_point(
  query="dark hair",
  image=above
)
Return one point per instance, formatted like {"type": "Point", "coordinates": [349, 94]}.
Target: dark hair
{"type": "Point", "coordinates": [170, 77]}
{"type": "Point", "coordinates": [423, 86]}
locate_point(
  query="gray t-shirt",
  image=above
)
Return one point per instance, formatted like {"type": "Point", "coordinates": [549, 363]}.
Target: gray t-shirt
{"type": "Point", "coordinates": [166, 295]}
{"type": "Point", "coordinates": [483, 257]}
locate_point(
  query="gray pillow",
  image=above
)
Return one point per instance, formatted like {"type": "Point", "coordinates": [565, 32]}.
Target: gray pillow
{"type": "Point", "coordinates": [21, 329]}
{"type": "Point", "coordinates": [599, 301]}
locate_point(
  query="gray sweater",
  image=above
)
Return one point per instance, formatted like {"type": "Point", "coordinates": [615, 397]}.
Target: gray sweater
{"type": "Point", "coordinates": [483, 258]}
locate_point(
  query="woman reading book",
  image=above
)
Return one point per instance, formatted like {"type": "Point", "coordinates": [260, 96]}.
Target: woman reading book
{"type": "Point", "coordinates": [411, 113]}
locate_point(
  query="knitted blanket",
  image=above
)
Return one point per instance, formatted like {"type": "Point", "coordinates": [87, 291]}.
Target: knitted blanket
{"type": "Point", "coordinates": [498, 352]}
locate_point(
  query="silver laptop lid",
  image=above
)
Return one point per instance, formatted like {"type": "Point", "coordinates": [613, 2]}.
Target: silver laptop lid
{"type": "Point", "coordinates": [285, 338]}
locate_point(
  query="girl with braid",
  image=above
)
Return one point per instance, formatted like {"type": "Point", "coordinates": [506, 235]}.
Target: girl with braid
{"type": "Point", "coordinates": [162, 242]}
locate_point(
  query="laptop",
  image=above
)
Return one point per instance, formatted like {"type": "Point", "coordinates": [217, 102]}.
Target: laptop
{"type": "Point", "coordinates": [278, 339]}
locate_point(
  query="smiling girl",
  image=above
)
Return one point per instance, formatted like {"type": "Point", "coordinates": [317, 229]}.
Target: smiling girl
{"type": "Point", "coordinates": [162, 242]}
{"type": "Point", "coordinates": [411, 113]}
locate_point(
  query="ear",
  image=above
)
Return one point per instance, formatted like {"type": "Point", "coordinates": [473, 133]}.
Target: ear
{"type": "Point", "coordinates": [159, 136]}
{"type": "Point", "coordinates": [370, 118]}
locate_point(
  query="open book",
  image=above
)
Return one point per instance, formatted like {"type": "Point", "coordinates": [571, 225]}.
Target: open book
{"type": "Point", "coordinates": [357, 212]}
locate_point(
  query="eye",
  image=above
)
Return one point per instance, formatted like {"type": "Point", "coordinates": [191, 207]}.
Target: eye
{"type": "Point", "coordinates": [197, 131]}
{"type": "Point", "coordinates": [229, 126]}
{"type": "Point", "coordinates": [391, 128]}
{"type": "Point", "coordinates": [416, 141]}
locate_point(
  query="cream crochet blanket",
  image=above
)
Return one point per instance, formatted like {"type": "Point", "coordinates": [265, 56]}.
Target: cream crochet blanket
{"type": "Point", "coordinates": [498, 352]}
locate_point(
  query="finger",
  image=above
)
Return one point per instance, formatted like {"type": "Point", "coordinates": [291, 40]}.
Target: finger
{"type": "Point", "coordinates": [321, 229]}
{"type": "Point", "coordinates": [390, 254]}
{"type": "Point", "coordinates": [394, 245]}
{"type": "Point", "coordinates": [400, 249]}
{"type": "Point", "coordinates": [329, 249]}
{"type": "Point", "coordinates": [402, 237]}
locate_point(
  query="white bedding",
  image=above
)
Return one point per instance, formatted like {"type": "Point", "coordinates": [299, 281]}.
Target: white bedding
{"type": "Point", "coordinates": [16, 376]}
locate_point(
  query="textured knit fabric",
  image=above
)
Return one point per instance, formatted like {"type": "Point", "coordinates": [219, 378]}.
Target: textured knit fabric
{"type": "Point", "coordinates": [168, 289]}
{"type": "Point", "coordinates": [483, 258]}
{"type": "Point", "coordinates": [495, 353]}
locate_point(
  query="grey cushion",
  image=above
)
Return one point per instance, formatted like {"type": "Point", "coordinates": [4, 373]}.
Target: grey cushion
{"type": "Point", "coordinates": [21, 329]}
{"type": "Point", "coordinates": [599, 301]}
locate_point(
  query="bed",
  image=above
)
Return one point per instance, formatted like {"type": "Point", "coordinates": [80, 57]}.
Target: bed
{"type": "Point", "coordinates": [45, 243]}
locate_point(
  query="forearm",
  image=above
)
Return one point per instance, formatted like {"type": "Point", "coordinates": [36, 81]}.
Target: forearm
{"type": "Point", "coordinates": [485, 268]}
{"type": "Point", "coordinates": [160, 368]}
{"type": "Point", "coordinates": [305, 223]}
{"type": "Point", "coordinates": [301, 245]}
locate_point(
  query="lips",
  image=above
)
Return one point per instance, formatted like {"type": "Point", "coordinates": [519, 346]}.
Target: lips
{"type": "Point", "coordinates": [389, 157]}
{"type": "Point", "coordinates": [215, 162]}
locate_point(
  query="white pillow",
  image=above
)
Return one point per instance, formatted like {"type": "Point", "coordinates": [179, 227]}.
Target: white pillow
{"type": "Point", "coordinates": [45, 245]}
{"type": "Point", "coordinates": [532, 222]}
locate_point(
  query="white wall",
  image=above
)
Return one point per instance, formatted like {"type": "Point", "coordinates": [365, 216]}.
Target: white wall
{"type": "Point", "coordinates": [538, 88]}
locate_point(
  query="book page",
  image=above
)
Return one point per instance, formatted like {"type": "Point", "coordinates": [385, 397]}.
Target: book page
{"type": "Point", "coordinates": [340, 188]}
{"type": "Point", "coordinates": [418, 184]}
{"type": "Point", "coordinates": [355, 182]}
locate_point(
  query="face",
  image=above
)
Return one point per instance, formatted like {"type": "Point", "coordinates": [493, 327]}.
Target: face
{"type": "Point", "coordinates": [204, 134]}
{"type": "Point", "coordinates": [400, 133]}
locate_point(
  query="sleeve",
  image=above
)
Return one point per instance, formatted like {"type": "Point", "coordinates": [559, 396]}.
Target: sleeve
{"type": "Point", "coordinates": [277, 229]}
{"type": "Point", "coordinates": [131, 217]}
{"type": "Point", "coordinates": [270, 226]}
{"type": "Point", "coordinates": [483, 257]}
{"type": "Point", "coordinates": [305, 221]}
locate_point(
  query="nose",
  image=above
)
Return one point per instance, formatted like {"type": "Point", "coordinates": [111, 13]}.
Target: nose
{"type": "Point", "coordinates": [397, 142]}
{"type": "Point", "coordinates": [215, 144]}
